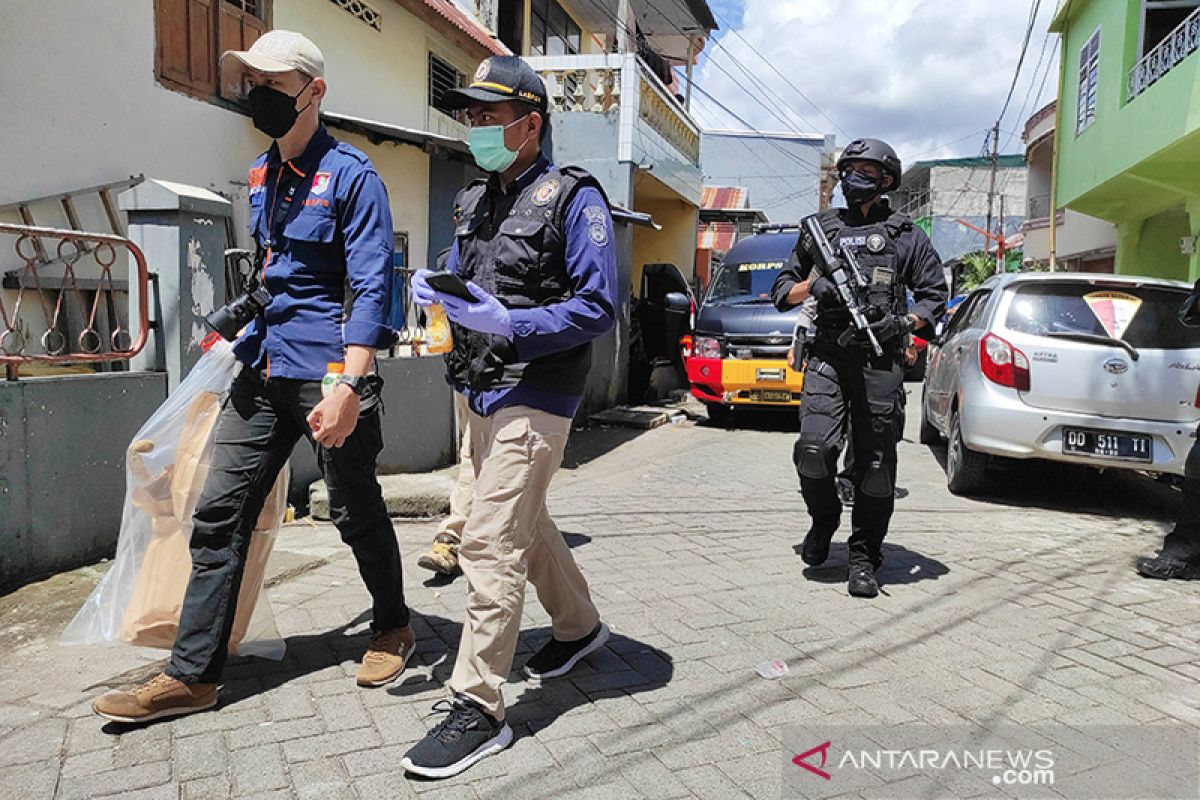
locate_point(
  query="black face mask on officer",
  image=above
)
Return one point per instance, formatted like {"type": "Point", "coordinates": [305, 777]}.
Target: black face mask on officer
{"type": "Point", "coordinates": [859, 188]}
{"type": "Point", "coordinates": [274, 112]}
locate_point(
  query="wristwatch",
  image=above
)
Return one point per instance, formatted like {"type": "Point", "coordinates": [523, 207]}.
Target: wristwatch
{"type": "Point", "coordinates": [357, 383]}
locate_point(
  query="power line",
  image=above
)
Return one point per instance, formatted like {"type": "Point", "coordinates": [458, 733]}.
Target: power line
{"type": "Point", "coordinates": [1020, 59]}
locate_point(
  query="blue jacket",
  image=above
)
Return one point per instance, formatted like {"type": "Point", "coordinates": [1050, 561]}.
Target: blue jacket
{"type": "Point", "coordinates": [324, 221]}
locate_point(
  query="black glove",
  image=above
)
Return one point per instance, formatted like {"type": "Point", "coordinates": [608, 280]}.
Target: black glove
{"type": "Point", "coordinates": [823, 289]}
{"type": "Point", "coordinates": [892, 326]}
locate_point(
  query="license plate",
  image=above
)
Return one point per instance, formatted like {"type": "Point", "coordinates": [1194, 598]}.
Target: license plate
{"type": "Point", "coordinates": [771, 397]}
{"type": "Point", "coordinates": [1104, 444]}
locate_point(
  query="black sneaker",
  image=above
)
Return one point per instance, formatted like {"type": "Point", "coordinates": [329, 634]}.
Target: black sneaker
{"type": "Point", "coordinates": [557, 658]}
{"type": "Point", "coordinates": [815, 549]}
{"type": "Point", "coordinates": [1165, 568]}
{"type": "Point", "coordinates": [862, 581]}
{"type": "Point", "coordinates": [465, 736]}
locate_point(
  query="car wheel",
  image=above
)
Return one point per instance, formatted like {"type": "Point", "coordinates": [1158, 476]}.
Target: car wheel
{"type": "Point", "coordinates": [929, 433]}
{"type": "Point", "coordinates": [718, 414]}
{"type": "Point", "coordinates": [966, 470]}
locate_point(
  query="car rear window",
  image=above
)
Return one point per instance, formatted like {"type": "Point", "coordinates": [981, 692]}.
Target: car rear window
{"type": "Point", "coordinates": [1143, 316]}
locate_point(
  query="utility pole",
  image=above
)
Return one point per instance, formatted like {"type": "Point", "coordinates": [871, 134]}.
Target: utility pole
{"type": "Point", "coordinates": [1001, 267]}
{"type": "Point", "coordinates": [995, 167]}
{"type": "Point", "coordinates": [623, 32]}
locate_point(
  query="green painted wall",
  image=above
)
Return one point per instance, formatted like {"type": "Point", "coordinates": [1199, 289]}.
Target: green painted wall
{"type": "Point", "coordinates": [1140, 158]}
{"type": "Point", "coordinates": [1151, 246]}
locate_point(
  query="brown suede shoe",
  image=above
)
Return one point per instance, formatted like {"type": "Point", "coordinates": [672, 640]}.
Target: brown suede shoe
{"type": "Point", "coordinates": [442, 558]}
{"type": "Point", "coordinates": [161, 696]}
{"type": "Point", "coordinates": [386, 656]}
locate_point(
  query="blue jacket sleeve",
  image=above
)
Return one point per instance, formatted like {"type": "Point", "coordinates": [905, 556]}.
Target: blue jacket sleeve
{"type": "Point", "coordinates": [367, 230]}
{"type": "Point", "coordinates": [592, 268]}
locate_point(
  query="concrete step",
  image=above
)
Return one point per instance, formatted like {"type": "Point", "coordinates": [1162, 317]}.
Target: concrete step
{"type": "Point", "coordinates": [422, 494]}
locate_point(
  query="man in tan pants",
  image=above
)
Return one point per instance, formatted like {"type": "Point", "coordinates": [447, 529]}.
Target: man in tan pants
{"type": "Point", "coordinates": [442, 556]}
{"type": "Point", "coordinates": [533, 282]}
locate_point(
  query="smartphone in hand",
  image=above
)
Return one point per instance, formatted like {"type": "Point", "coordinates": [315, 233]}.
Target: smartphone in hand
{"type": "Point", "coordinates": [449, 283]}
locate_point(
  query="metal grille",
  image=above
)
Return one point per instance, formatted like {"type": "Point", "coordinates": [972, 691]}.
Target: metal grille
{"type": "Point", "coordinates": [361, 11]}
{"type": "Point", "coordinates": [1178, 45]}
{"type": "Point", "coordinates": [442, 78]}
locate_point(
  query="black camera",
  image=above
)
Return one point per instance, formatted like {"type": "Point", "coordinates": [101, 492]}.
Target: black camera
{"type": "Point", "coordinates": [230, 318]}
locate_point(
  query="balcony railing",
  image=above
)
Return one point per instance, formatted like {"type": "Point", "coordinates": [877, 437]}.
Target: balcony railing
{"type": "Point", "coordinates": [1178, 45]}
{"type": "Point", "coordinates": [601, 83]}
{"type": "Point", "coordinates": [1038, 207]}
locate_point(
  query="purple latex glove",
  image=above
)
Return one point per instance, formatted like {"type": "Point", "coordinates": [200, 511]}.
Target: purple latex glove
{"type": "Point", "coordinates": [486, 315]}
{"type": "Point", "coordinates": [423, 294]}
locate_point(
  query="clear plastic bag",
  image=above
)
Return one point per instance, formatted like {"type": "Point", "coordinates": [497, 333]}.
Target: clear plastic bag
{"type": "Point", "coordinates": [139, 599]}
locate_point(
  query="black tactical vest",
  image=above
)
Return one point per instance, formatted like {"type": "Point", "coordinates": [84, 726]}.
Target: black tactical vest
{"type": "Point", "coordinates": [874, 245]}
{"type": "Point", "coordinates": [520, 259]}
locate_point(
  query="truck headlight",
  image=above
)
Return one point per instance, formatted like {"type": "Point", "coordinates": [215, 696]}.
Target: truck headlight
{"type": "Point", "coordinates": [706, 347]}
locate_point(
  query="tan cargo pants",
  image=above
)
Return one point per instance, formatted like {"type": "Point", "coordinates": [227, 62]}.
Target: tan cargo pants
{"type": "Point", "coordinates": [451, 528]}
{"type": "Point", "coordinates": [509, 538]}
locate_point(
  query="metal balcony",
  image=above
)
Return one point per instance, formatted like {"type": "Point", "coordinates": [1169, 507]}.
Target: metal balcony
{"type": "Point", "coordinates": [1178, 45]}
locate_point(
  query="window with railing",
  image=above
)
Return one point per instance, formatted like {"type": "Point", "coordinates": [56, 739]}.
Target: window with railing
{"type": "Point", "coordinates": [443, 77]}
{"type": "Point", "coordinates": [552, 32]}
{"type": "Point", "coordinates": [1089, 77]}
{"type": "Point", "coordinates": [1170, 32]}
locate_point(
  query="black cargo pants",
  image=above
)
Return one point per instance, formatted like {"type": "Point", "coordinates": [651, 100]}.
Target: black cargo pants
{"type": "Point", "coordinates": [260, 423]}
{"type": "Point", "coordinates": [1183, 542]}
{"type": "Point", "coordinates": [846, 387]}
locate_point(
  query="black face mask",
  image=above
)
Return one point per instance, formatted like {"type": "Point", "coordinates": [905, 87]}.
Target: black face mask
{"type": "Point", "coordinates": [274, 112]}
{"type": "Point", "coordinates": [860, 189]}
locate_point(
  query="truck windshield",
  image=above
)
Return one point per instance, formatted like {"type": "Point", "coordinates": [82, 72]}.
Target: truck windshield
{"type": "Point", "coordinates": [749, 282]}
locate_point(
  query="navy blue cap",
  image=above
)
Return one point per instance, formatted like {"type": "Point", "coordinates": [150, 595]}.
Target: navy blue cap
{"type": "Point", "coordinates": [500, 79]}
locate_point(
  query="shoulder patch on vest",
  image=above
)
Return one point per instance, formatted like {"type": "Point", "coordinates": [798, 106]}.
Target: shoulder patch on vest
{"type": "Point", "coordinates": [546, 192]}
{"type": "Point", "coordinates": [597, 222]}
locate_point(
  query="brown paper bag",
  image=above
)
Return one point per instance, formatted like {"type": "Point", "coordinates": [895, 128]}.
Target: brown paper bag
{"type": "Point", "coordinates": [152, 617]}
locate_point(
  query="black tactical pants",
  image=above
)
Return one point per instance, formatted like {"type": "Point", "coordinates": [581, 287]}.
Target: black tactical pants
{"type": "Point", "coordinates": [845, 387]}
{"type": "Point", "coordinates": [1183, 542]}
{"type": "Point", "coordinates": [259, 425]}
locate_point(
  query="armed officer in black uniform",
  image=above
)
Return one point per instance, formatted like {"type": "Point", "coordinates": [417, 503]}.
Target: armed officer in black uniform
{"type": "Point", "coordinates": [846, 382]}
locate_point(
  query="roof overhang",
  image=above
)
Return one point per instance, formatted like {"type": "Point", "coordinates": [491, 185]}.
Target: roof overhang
{"type": "Point", "coordinates": [377, 131]}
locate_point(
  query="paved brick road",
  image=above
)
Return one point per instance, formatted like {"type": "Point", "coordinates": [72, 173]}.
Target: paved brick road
{"type": "Point", "coordinates": [1020, 609]}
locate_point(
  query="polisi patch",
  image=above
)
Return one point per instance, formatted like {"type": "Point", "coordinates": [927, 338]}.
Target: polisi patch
{"type": "Point", "coordinates": [876, 243]}
{"type": "Point", "coordinates": [597, 220]}
{"type": "Point", "coordinates": [482, 72]}
{"type": "Point", "coordinates": [320, 182]}
{"type": "Point", "coordinates": [546, 192]}
{"type": "Point", "coordinates": [258, 179]}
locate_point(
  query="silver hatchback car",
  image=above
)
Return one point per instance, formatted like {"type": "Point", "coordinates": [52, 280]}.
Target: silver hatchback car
{"type": "Point", "coordinates": [1086, 369]}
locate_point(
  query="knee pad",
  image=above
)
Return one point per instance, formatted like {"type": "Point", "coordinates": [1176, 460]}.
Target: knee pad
{"type": "Point", "coordinates": [878, 480]}
{"type": "Point", "coordinates": [811, 459]}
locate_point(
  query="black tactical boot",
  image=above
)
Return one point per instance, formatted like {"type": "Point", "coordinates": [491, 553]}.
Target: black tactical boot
{"type": "Point", "coordinates": [862, 581]}
{"type": "Point", "coordinates": [1165, 568]}
{"type": "Point", "coordinates": [815, 549]}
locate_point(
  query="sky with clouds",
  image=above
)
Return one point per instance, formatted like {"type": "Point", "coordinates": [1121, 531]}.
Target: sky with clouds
{"type": "Point", "coordinates": [929, 76]}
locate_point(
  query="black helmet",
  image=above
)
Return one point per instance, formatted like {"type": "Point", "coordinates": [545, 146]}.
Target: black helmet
{"type": "Point", "coordinates": [873, 150]}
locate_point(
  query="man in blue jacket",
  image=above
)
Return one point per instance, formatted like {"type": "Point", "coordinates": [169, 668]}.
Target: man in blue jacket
{"type": "Point", "coordinates": [534, 243]}
{"type": "Point", "coordinates": [320, 214]}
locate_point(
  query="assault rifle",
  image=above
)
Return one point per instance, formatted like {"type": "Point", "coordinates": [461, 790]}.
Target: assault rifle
{"type": "Point", "coordinates": [842, 270]}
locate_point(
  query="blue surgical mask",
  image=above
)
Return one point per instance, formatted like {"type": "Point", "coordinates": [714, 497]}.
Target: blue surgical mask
{"type": "Point", "coordinates": [488, 148]}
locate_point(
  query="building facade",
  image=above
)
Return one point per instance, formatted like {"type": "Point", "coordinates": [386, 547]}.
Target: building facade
{"type": "Point", "coordinates": [1081, 243]}
{"type": "Point", "coordinates": [1129, 139]}
{"type": "Point", "coordinates": [940, 195]}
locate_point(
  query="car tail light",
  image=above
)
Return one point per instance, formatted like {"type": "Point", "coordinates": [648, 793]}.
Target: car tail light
{"type": "Point", "coordinates": [1003, 364]}
{"type": "Point", "coordinates": [1197, 403]}
{"type": "Point", "coordinates": [706, 347]}
{"type": "Point", "coordinates": [685, 345]}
